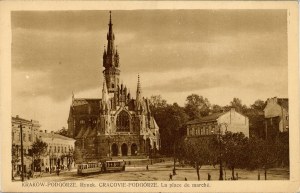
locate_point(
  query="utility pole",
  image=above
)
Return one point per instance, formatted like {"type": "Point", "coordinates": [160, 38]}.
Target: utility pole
{"type": "Point", "coordinates": [220, 148]}
{"type": "Point", "coordinates": [22, 159]}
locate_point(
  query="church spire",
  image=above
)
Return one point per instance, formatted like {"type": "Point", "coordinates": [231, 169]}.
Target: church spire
{"type": "Point", "coordinates": [111, 60]}
{"type": "Point", "coordinates": [110, 37]}
{"type": "Point", "coordinates": [138, 90]}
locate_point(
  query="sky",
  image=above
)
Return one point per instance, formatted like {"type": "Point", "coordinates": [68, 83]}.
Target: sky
{"type": "Point", "coordinates": [218, 54]}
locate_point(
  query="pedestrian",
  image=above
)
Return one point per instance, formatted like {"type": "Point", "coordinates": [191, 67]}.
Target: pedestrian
{"type": "Point", "coordinates": [237, 176]}
{"type": "Point", "coordinates": [174, 172]}
{"type": "Point", "coordinates": [57, 171]}
{"type": "Point", "coordinates": [170, 179]}
{"type": "Point", "coordinates": [147, 168]}
{"type": "Point", "coordinates": [208, 176]}
{"type": "Point", "coordinates": [185, 179]}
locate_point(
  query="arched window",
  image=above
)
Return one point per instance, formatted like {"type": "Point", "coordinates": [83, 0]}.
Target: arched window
{"type": "Point", "coordinates": [123, 121]}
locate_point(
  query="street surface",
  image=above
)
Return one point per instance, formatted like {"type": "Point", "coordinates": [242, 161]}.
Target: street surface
{"type": "Point", "coordinates": [161, 172]}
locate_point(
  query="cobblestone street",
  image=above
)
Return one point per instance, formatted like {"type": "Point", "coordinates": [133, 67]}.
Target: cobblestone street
{"type": "Point", "coordinates": [161, 171]}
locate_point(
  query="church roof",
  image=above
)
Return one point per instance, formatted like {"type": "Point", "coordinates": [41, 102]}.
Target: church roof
{"type": "Point", "coordinates": [86, 106]}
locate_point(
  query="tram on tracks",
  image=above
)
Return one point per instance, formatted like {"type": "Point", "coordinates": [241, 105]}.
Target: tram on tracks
{"type": "Point", "coordinates": [100, 167]}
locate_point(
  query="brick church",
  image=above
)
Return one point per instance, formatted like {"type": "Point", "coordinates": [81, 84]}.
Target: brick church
{"type": "Point", "coordinates": [117, 124]}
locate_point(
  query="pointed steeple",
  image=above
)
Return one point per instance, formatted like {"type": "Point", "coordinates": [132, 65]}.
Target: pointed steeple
{"type": "Point", "coordinates": [138, 90]}
{"type": "Point", "coordinates": [111, 60]}
{"type": "Point", "coordinates": [110, 37]}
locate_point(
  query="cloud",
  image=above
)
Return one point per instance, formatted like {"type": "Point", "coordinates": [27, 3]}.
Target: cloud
{"type": "Point", "coordinates": [234, 52]}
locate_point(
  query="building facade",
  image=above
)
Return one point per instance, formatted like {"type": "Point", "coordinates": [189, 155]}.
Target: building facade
{"type": "Point", "coordinates": [59, 148]}
{"type": "Point", "coordinates": [217, 123]}
{"type": "Point", "coordinates": [276, 115]}
{"type": "Point", "coordinates": [117, 124]}
{"type": "Point", "coordinates": [30, 128]}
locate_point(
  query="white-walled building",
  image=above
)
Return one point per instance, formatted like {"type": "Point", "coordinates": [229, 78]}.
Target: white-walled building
{"type": "Point", "coordinates": [59, 151]}
{"type": "Point", "coordinates": [231, 120]}
{"type": "Point", "coordinates": [277, 114]}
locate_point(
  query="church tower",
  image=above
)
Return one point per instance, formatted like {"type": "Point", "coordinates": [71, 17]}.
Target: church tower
{"type": "Point", "coordinates": [111, 61]}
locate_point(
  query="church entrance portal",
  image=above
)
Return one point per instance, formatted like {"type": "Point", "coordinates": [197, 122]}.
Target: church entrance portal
{"type": "Point", "coordinates": [124, 149]}
{"type": "Point", "coordinates": [114, 149]}
{"type": "Point", "coordinates": [133, 149]}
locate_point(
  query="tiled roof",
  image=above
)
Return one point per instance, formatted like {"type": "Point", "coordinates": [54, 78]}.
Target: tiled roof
{"type": "Point", "coordinates": [212, 117]}
{"type": "Point", "coordinates": [209, 118]}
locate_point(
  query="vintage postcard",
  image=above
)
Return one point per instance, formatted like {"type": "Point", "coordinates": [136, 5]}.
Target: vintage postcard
{"type": "Point", "coordinates": [154, 96]}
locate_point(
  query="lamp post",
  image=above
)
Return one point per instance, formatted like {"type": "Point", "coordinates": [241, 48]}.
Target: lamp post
{"type": "Point", "coordinates": [220, 155]}
{"type": "Point", "coordinates": [22, 158]}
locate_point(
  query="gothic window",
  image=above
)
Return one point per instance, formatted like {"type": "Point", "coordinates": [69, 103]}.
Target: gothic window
{"type": "Point", "coordinates": [123, 121]}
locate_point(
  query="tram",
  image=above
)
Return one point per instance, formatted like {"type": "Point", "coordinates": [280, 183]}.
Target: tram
{"type": "Point", "coordinates": [114, 166]}
{"type": "Point", "coordinates": [91, 167]}
{"type": "Point", "coordinates": [100, 167]}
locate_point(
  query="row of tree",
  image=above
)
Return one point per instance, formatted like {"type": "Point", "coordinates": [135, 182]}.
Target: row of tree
{"type": "Point", "coordinates": [234, 150]}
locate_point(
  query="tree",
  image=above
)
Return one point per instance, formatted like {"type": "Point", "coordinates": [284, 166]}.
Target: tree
{"type": "Point", "coordinates": [216, 109]}
{"type": "Point", "coordinates": [197, 152]}
{"type": "Point", "coordinates": [237, 104]}
{"type": "Point", "coordinates": [169, 118]}
{"type": "Point", "coordinates": [258, 105]}
{"type": "Point", "coordinates": [63, 131]}
{"type": "Point", "coordinates": [196, 106]}
{"type": "Point", "coordinates": [156, 102]}
{"type": "Point", "coordinates": [39, 149]}
{"type": "Point", "coordinates": [234, 153]}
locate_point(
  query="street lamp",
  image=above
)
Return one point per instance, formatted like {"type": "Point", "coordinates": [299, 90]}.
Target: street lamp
{"type": "Point", "coordinates": [22, 158]}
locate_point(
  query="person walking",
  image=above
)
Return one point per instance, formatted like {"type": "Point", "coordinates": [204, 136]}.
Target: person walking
{"type": "Point", "coordinates": [147, 167]}
{"type": "Point", "coordinates": [185, 179]}
{"type": "Point", "coordinates": [170, 179]}
{"type": "Point", "coordinates": [57, 171]}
